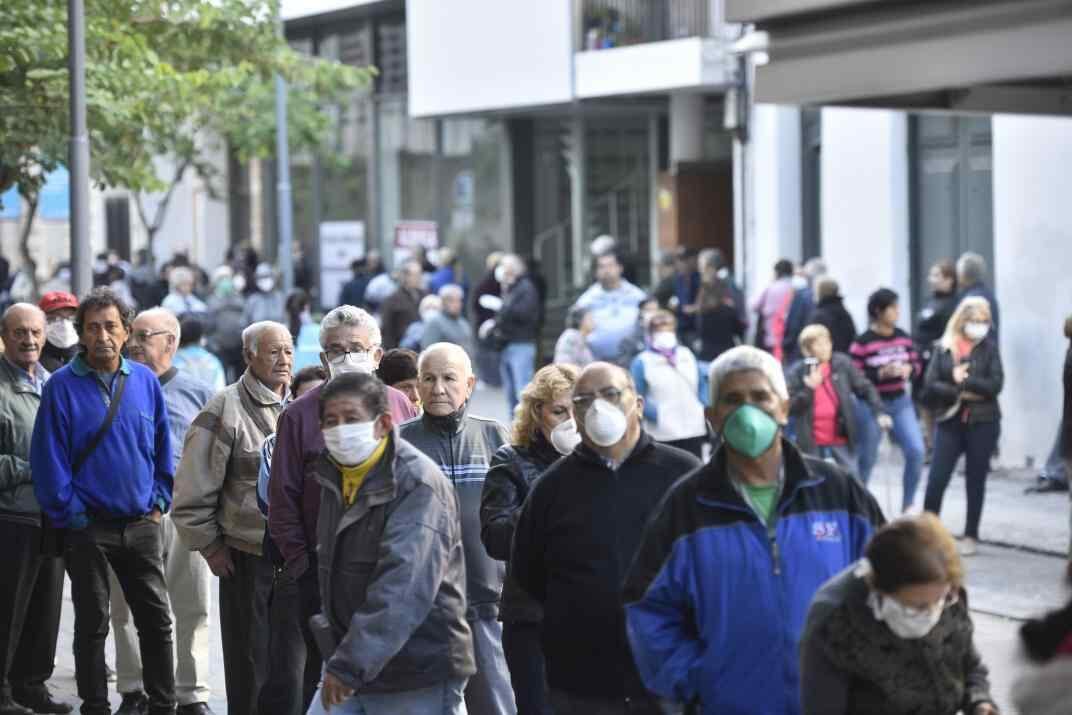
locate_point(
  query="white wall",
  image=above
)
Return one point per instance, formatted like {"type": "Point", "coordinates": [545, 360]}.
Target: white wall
{"type": "Point", "coordinates": [865, 205]}
{"type": "Point", "coordinates": [293, 9]}
{"type": "Point", "coordinates": [474, 55]}
{"type": "Point", "coordinates": [1032, 256]}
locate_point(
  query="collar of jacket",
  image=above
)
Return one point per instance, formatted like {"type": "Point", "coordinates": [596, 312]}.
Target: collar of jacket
{"type": "Point", "coordinates": [542, 450]}
{"type": "Point", "coordinates": [259, 391]}
{"type": "Point", "coordinates": [716, 488]}
{"type": "Point", "coordinates": [446, 424]}
{"type": "Point", "coordinates": [642, 452]}
{"type": "Point", "coordinates": [14, 373]}
{"type": "Point", "coordinates": [379, 487]}
{"type": "Point", "coordinates": [80, 367]}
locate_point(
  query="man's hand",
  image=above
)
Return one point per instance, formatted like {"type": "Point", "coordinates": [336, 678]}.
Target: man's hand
{"type": "Point", "coordinates": [334, 692]}
{"type": "Point", "coordinates": [885, 422]}
{"type": "Point", "coordinates": [814, 378]}
{"type": "Point", "coordinates": [154, 516]}
{"type": "Point", "coordinates": [985, 709]}
{"type": "Point", "coordinates": [220, 562]}
{"type": "Point", "coordinates": [960, 372]}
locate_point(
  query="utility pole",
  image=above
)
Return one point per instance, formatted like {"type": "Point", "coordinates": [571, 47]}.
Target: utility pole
{"type": "Point", "coordinates": [78, 157]}
{"type": "Point", "coordinates": [284, 208]}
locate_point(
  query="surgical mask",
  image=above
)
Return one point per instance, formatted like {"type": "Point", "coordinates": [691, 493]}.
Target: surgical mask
{"type": "Point", "coordinates": [61, 333]}
{"type": "Point", "coordinates": [351, 444]}
{"type": "Point", "coordinates": [905, 622]}
{"type": "Point", "coordinates": [351, 362]}
{"type": "Point", "coordinates": [749, 431]}
{"type": "Point", "coordinates": [428, 315]}
{"type": "Point", "coordinates": [664, 340]}
{"type": "Point", "coordinates": [500, 273]}
{"type": "Point", "coordinates": [265, 284]}
{"type": "Point", "coordinates": [239, 283]}
{"type": "Point", "coordinates": [565, 437]}
{"type": "Point", "coordinates": [976, 331]}
{"type": "Point", "coordinates": [605, 423]}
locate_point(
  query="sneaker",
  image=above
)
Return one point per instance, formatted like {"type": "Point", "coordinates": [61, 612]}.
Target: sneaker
{"type": "Point", "coordinates": [41, 701]}
{"type": "Point", "coordinates": [968, 546]}
{"type": "Point", "coordinates": [133, 704]}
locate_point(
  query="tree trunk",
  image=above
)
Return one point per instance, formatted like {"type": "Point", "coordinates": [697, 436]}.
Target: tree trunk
{"type": "Point", "coordinates": [24, 245]}
{"type": "Point", "coordinates": [153, 227]}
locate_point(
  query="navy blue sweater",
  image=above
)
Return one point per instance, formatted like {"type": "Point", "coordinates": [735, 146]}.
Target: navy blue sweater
{"type": "Point", "coordinates": [130, 471]}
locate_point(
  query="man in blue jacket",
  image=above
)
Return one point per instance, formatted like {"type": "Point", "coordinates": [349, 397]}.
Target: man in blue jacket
{"type": "Point", "coordinates": [716, 599]}
{"type": "Point", "coordinates": [109, 496]}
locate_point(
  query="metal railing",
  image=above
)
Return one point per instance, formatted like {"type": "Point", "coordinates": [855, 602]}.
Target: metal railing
{"type": "Point", "coordinates": [607, 24]}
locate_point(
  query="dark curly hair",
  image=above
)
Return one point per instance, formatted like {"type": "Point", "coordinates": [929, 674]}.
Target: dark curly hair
{"type": "Point", "coordinates": [100, 299]}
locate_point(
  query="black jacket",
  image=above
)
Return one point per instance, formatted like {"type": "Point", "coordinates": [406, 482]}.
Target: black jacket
{"type": "Point", "coordinates": [519, 319]}
{"type": "Point", "coordinates": [397, 312]}
{"type": "Point", "coordinates": [831, 312]}
{"type": "Point", "coordinates": [513, 472]}
{"type": "Point", "coordinates": [933, 319]}
{"type": "Point", "coordinates": [985, 378]}
{"type": "Point", "coordinates": [720, 329]}
{"type": "Point", "coordinates": [847, 380]}
{"type": "Point", "coordinates": [53, 358]}
{"type": "Point", "coordinates": [574, 542]}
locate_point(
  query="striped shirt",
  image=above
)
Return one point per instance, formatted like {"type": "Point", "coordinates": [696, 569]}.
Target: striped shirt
{"type": "Point", "coordinates": [872, 352]}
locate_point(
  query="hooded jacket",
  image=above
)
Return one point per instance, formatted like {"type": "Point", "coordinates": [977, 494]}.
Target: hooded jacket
{"type": "Point", "coordinates": [392, 575]}
{"type": "Point", "coordinates": [462, 446]}
{"type": "Point", "coordinates": [715, 601]}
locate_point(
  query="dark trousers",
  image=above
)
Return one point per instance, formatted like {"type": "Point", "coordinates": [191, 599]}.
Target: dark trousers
{"type": "Point", "coordinates": [976, 442]}
{"type": "Point", "coordinates": [294, 661]}
{"type": "Point", "coordinates": [31, 596]}
{"type": "Point", "coordinates": [134, 549]}
{"type": "Point", "coordinates": [569, 704]}
{"type": "Point", "coordinates": [244, 630]}
{"type": "Point", "coordinates": [524, 658]}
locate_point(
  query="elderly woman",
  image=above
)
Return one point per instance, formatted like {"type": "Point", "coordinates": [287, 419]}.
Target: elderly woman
{"type": "Point", "coordinates": [821, 390]}
{"type": "Point", "coordinates": [181, 299]}
{"type": "Point", "coordinates": [572, 345]}
{"type": "Point", "coordinates": [668, 377]}
{"type": "Point", "coordinates": [543, 430]}
{"type": "Point", "coordinates": [892, 635]}
{"type": "Point", "coordinates": [962, 385]}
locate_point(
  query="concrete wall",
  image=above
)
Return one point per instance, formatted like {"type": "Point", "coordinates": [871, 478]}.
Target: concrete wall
{"type": "Point", "coordinates": [1032, 256]}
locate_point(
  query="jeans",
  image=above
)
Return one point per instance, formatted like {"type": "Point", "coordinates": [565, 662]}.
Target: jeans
{"type": "Point", "coordinates": [487, 364]}
{"type": "Point", "coordinates": [489, 692]}
{"type": "Point", "coordinates": [569, 704]}
{"type": "Point", "coordinates": [31, 597]}
{"type": "Point", "coordinates": [1055, 468]}
{"type": "Point", "coordinates": [976, 442]}
{"type": "Point", "coordinates": [524, 656]}
{"type": "Point", "coordinates": [294, 662]}
{"type": "Point", "coordinates": [516, 365]}
{"type": "Point", "coordinates": [244, 630]}
{"type": "Point", "coordinates": [906, 433]}
{"type": "Point", "coordinates": [188, 579]}
{"type": "Point", "coordinates": [133, 548]}
{"type": "Point", "coordinates": [443, 699]}
{"type": "Point", "coordinates": [840, 454]}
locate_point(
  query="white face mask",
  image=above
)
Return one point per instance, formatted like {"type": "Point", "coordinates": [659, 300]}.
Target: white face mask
{"type": "Point", "coordinates": [565, 437]}
{"type": "Point", "coordinates": [604, 423]}
{"type": "Point", "coordinates": [500, 273]}
{"type": "Point", "coordinates": [266, 284]}
{"type": "Point", "coordinates": [907, 623]}
{"type": "Point", "coordinates": [976, 331]}
{"type": "Point", "coordinates": [351, 444]}
{"type": "Point", "coordinates": [664, 340]}
{"type": "Point", "coordinates": [61, 333]}
{"type": "Point", "coordinates": [351, 362]}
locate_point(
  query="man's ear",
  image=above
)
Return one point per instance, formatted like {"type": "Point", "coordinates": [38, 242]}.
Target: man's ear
{"type": "Point", "coordinates": [324, 361]}
{"type": "Point", "coordinates": [384, 425]}
{"type": "Point", "coordinates": [471, 384]}
{"type": "Point", "coordinates": [377, 355]}
{"type": "Point", "coordinates": [247, 357]}
{"type": "Point", "coordinates": [709, 413]}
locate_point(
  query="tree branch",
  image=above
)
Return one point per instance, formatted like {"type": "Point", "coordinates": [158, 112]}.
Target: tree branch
{"type": "Point", "coordinates": [24, 242]}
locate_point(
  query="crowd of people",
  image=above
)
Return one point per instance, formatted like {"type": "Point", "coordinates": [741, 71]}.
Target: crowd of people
{"type": "Point", "coordinates": [671, 517]}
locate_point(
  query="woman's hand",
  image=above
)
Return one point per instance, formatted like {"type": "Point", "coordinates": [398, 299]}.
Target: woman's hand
{"type": "Point", "coordinates": [960, 372]}
{"type": "Point", "coordinates": [814, 378]}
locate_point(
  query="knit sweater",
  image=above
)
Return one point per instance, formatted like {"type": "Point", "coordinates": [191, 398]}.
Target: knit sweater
{"type": "Point", "coordinates": [871, 352]}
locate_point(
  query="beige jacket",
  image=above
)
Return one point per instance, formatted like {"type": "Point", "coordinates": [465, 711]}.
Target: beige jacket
{"type": "Point", "coordinates": [215, 498]}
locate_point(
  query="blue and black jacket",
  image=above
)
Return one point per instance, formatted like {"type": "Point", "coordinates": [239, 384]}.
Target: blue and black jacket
{"type": "Point", "coordinates": [716, 600]}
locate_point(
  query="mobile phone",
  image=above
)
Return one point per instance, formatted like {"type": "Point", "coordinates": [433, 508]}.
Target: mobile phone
{"type": "Point", "coordinates": [811, 362]}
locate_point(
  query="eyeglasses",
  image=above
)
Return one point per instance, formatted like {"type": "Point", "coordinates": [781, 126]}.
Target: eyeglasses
{"type": "Point", "coordinates": [584, 400]}
{"type": "Point", "coordinates": [335, 354]}
{"type": "Point", "coordinates": [143, 336]}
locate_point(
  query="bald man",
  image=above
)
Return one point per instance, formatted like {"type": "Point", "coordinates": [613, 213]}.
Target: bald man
{"type": "Point", "coordinates": [31, 584]}
{"type": "Point", "coordinates": [462, 445]}
{"type": "Point", "coordinates": [577, 534]}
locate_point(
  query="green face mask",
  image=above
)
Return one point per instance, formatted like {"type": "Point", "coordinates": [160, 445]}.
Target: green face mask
{"type": "Point", "coordinates": [750, 431]}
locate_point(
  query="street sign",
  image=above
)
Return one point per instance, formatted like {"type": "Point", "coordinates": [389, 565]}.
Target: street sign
{"type": "Point", "coordinates": [409, 235]}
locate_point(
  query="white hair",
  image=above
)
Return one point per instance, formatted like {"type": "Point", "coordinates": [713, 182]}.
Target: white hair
{"type": "Point", "coordinates": [352, 316]}
{"type": "Point", "coordinates": [746, 357]}
{"type": "Point", "coordinates": [452, 350]}
{"type": "Point", "coordinates": [514, 260]}
{"type": "Point", "coordinates": [22, 306]}
{"type": "Point", "coordinates": [251, 336]}
{"type": "Point", "coordinates": [451, 289]}
{"type": "Point", "coordinates": [167, 317]}
{"type": "Point", "coordinates": [430, 302]}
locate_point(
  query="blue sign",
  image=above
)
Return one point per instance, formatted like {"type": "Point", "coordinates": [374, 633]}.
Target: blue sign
{"type": "Point", "coordinates": [10, 203]}
{"type": "Point", "coordinates": [55, 198]}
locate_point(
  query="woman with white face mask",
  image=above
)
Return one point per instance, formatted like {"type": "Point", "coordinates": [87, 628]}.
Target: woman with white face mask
{"type": "Point", "coordinates": [543, 431]}
{"type": "Point", "coordinates": [892, 634]}
{"type": "Point", "coordinates": [962, 385]}
{"type": "Point", "coordinates": [674, 388]}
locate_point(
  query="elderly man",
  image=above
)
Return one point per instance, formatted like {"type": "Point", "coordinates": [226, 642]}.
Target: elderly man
{"type": "Point", "coordinates": [102, 469]}
{"type": "Point", "coordinates": [31, 584]}
{"type": "Point", "coordinates": [393, 628]}
{"type": "Point", "coordinates": [403, 306]}
{"type": "Point", "coordinates": [615, 305]}
{"type": "Point", "coordinates": [736, 551]}
{"type": "Point", "coordinates": [449, 325]}
{"type": "Point", "coordinates": [216, 509]}
{"type": "Point", "coordinates": [153, 341]}
{"type": "Point", "coordinates": [576, 536]}
{"type": "Point", "coordinates": [462, 445]}
{"type": "Point", "coordinates": [350, 340]}
{"type": "Point", "coordinates": [971, 280]}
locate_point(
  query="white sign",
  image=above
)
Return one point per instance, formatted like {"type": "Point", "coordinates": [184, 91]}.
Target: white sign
{"type": "Point", "coordinates": [409, 235]}
{"type": "Point", "coordinates": [341, 243]}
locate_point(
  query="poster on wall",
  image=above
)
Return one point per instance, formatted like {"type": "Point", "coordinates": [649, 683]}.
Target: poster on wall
{"type": "Point", "coordinates": [341, 243]}
{"type": "Point", "coordinates": [409, 235]}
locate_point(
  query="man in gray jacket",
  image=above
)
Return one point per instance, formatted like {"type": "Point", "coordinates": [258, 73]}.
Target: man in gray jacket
{"type": "Point", "coordinates": [31, 583]}
{"type": "Point", "coordinates": [462, 445]}
{"type": "Point", "coordinates": [449, 325]}
{"type": "Point", "coordinates": [393, 631]}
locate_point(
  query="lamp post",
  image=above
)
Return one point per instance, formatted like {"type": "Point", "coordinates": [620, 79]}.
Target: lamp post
{"type": "Point", "coordinates": [78, 157]}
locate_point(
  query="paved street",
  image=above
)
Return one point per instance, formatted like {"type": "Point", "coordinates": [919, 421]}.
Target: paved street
{"type": "Point", "coordinates": [1012, 578]}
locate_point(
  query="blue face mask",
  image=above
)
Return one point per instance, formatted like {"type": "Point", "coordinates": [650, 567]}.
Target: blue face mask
{"type": "Point", "coordinates": [749, 431]}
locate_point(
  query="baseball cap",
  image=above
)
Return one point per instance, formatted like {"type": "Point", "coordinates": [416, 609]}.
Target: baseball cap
{"type": "Point", "coordinates": [57, 299]}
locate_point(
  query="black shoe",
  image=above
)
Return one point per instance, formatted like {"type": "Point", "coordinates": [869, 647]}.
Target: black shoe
{"type": "Point", "coordinates": [1045, 484]}
{"type": "Point", "coordinates": [10, 707]}
{"type": "Point", "coordinates": [133, 704]}
{"type": "Point", "coordinates": [195, 709]}
{"type": "Point", "coordinates": [42, 702]}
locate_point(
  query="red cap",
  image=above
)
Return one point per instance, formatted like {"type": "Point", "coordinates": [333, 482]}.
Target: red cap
{"type": "Point", "coordinates": [57, 299]}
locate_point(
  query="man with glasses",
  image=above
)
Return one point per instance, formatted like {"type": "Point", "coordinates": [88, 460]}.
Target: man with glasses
{"type": "Point", "coordinates": [153, 341]}
{"type": "Point", "coordinates": [350, 339]}
{"type": "Point", "coordinates": [107, 481]}
{"type": "Point", "coordinates": [216, 509]}
{"type": "Point", "coordinates": [577, 534]}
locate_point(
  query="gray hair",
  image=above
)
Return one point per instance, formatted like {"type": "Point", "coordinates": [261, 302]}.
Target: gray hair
{"type": "Point", "coordinates": [22, 306]}
{"type": "Point", "coordinates": [451, 290]}
{"type": "Point", "coordinates": [251, 336]}
{"type": "Point", "coordinates": [746, 357]}
{"type": "Point", "coordinates": [430, 302]}
{"type": "Point", "coordinates": [814, 267]}
{"type": "Point", "coordinates": [516, 261]}
{"type": "Point", "coordinates": [971, 269]}
{"type": "Point", "coordinates": [352, 316]}
{"type": "Point", "coordinates": [453, 350]}
{"type": "Point", "coordinates": [167, 317]}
